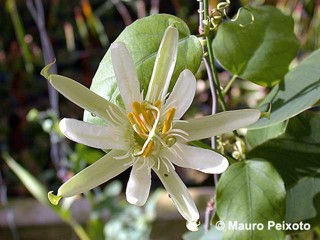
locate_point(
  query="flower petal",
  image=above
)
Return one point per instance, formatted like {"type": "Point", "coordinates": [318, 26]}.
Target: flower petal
{"type": "Point", "coordinates": [82, 96]}
{"type": "Point", "coordinates": [204, 160]}
{"type": "Point", "coordinates": [97, 173]}
{"type": "Point", "coordinates": [216, 124]}
{"type": "Point", "coordinates": [97, 136]}
{"type": "Point", "coordinates": [164, 65]}
{"type": "Point", "coordinates": [183, 93]}
{"type": "Point", "coordinates": [126, 74]}
{"type": "Point", "coordinates": [138, 186]}
{"type": "Point", "coordinates": [178, 193]}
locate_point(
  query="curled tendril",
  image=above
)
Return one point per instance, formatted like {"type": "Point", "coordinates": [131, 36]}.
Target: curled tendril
{"type": "Point", "coordinates": [220, 12]}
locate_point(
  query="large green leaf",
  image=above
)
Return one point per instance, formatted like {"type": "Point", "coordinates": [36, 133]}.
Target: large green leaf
{"type": "Point", "coordinates": [256, 137]}
{"type": "Point", "coordinates": [261, 50]}
{"type": "Point", "coordinates": [296, 156]}
{"type": "Point", "coordinates": [251, 192]}
{"type": "Point", "coordinates": [299, 91]}
{"type": "Point", "coordinates": [142, 39]}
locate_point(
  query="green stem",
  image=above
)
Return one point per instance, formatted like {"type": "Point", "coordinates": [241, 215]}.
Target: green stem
{"type": "Point", "coordinates": [214, 72]}
{"type": "Point", "coordinates": [226, 89]}
{"type": "Point", "coordinates": [81, 233]}
{"type": "Point", "coordinates": [20, 34]}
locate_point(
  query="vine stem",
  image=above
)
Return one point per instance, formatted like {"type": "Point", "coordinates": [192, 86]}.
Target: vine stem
{"type": "Point", "coordinates": [214, 72]}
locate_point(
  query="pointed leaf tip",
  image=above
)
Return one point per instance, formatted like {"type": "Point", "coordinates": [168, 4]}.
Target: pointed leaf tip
{"type": "Point", "coordinates": [45, 71]}
{"type": "Point", "coordinates": [53, 198]}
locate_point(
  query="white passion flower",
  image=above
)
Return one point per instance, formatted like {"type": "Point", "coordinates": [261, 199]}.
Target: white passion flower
{"type": "Point", "coordinates": [146, 135]}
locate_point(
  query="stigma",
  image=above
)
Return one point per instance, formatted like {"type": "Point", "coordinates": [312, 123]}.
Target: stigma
{"type": "Point", "coordinates": [150, 132]}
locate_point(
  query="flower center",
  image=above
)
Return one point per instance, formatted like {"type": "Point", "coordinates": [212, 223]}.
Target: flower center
{"type": "Point", "coordinates": [149, 132]}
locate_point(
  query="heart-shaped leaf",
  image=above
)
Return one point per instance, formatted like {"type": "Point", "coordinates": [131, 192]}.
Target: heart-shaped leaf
{"type": "Point", "coordinates": [296, 156]}
{"type": "Point", "coordinates": [142, 38]}
{"type": "Point", "coordinates": [299, 91]}
{"type": "Point", "coordinates": [251, 192]}
{"type": "Point", "coordinates": [262, 49]}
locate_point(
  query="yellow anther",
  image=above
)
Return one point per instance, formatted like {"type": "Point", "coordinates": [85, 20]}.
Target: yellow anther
{"type": "Point", "coordinates": [167, 124]}
{"type": "Point", "coordinates": [136, 107]}
{"type": "Point", "coordinates": [134, 119]}
{"type": "Point", "coordinates": [131, 118]}
{"type": "Point", "coordinates": [148, 149]}
{"type": "Point", "coordinates": [158, 104]}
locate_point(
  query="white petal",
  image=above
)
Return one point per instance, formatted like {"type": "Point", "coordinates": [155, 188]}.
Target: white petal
{"type": "Point", "coordinates": [138, 186]}
{"type": "Point", "coordinates": [183, 93]}
{"type": "Point", "coordinates": [219, 123]}
{"type": "Point", "coordinates": [126, 74]}
{"type": "Point", "coordinates": [164, 65]}
{"type": "Point", "coordinates": [84, 98]}
{"type": "Point", "coordinates": [97, 136]}
{"type": "Point", "coordinates": [178, 191]}
{"type": "Point", "coordinates": [97, 173]}
{"type": "Point", "coordinates": [204, 160]}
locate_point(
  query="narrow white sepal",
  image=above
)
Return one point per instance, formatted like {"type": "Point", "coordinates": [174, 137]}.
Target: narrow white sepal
{"type": "Point", "coordinates": [97, 173]}
{"type": "Point", "coordinates": [139, 184]}
{"type": "Point", "coordinates": [83, 97]}
{"type": "Point", "coordinates": [177, 191]}
{"type": "Point", "coordinates": [126, 75]}
{"type": "Point", "coordinates": [217, 124]}
{"type": "Point", "coordinates": [164, 65]}
{"type": "Point", "coordinates": [200, 159]}
{"type": "Point", "coordinates": [97, 136]}
{"type": "Point", "coordinates": [183, 93]}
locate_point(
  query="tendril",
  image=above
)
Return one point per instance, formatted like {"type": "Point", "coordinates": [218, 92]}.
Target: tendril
{"type": "Point", "coordinates": [220, 12]}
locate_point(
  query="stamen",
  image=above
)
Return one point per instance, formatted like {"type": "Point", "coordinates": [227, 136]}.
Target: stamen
{"type": "Point", "coordinates": [148, 149]}
{"type": "Point", "coordinates": [141, 124]}
{"type": "Point", "coordinates": [137, 129]}
{"type": "Point", "coordinates": [158, 104]}
{"type": "Point", "coordinates": [167, 124]}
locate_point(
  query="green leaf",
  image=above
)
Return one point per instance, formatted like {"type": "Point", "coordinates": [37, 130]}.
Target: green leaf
{"type": "Point", "coordinates": [299, 91]}
{"type": "Point", "coordinates": [251, 192]}
{"type": "Point", "coordinates": [142, 38]}
{"type": "Point", "coordinates": [262, 49]}
{"type": "Point", "coordinates": [296, 156]}
{"type": "Point", "coordinates": [37, 189]}
{"type": "Point", "coordinates": [256, 137]}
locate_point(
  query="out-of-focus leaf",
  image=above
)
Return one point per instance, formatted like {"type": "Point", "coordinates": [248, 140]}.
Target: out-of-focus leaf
{"type": "Point", "coordinates": [299, 91]}
{"type": "Point", "coordinates": [20, 34]}
{"type": "Point", "coordinates": [39, 191]}
{"type": "Point", "coordinates": [142, 38]}
{"type": "Point", "coordinates": [87, 154]}
{"type": "Point", "coordinates": [113, 189]}
{"type": "Point", "coordinates": [30, 182]}
{"type": "Point", "coordinates": [296, 156]}
{"type": "Point", "coordinates": [251, 192]}
{"type": "Point", "coordinates": [262, 49]}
